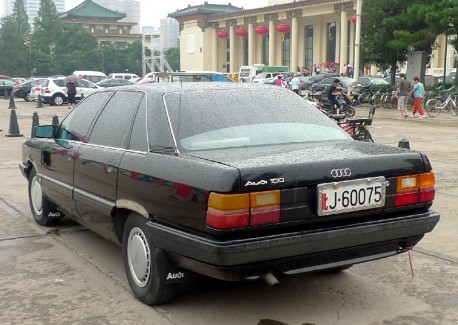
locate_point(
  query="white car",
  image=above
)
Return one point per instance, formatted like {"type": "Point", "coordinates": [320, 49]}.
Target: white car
{"type": "Point", "coordinates": [53, 90]}
{"type": "Point", "coordinates": [266, 78]}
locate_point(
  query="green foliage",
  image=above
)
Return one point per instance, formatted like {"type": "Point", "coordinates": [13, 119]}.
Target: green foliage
{"type": "Point", "coordinates": [21, 18]}
{"type": "Point", "coordinates": [15, 54]}
{"type": "Point", "coordinates": [48, 28]}
{"type": "Point", "coordinates": [172, 56]}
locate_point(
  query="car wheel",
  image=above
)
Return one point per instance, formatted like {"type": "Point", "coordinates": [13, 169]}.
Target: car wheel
{"type": "Point", "coordinates": [142, 269]}
{"type": "Point", "coordinates": [28, 97]}
{"type": "Point", "coordinates": [57, 100]}
{"type": "Point", "coordinates": [43, 210]}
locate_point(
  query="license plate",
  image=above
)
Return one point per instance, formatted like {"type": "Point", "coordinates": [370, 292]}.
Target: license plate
{"type": "Point", "coordinates": [353, 195]}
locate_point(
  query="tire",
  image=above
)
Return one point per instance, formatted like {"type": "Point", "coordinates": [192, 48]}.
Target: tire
{"type": "Point", "coordinates": [58, 100]}
{"type": "Point", "coordinates": [349, 111]}
{"type": "Point", "coordinates": [394, 102]}
{"type": "Point", "coordinates": [28, 96]}
{"type": "Point", "coordinates": [377, 100]}
{"type": "Point", "coordinates": [364, 98]}
{"type": "Point", "coordinates": [43, 210]}
{"type": "Point", "coordinates": [432, 107]}
{"type": "Point", "coordinates": [140, 265]}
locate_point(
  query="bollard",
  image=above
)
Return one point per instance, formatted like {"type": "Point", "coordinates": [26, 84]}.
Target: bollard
{"type": "Point", "coordinates": [40, 102]}
{"type": "Point", "coordinates": [35, 123]}
{"type": "Point", "coordinates": [12, 103]}
{"type": "Point", "coordinates": [404, 143]}
{"type": "Point", "coordinates": [5, 95]}
{"type": "Point", "coordinates": [14, 126]}
{"type": "Point", "coordinates": [82, 97]}
{"type": "Point", "coordinates": [55, 120]}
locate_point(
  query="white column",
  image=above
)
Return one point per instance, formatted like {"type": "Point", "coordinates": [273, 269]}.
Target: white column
{"type": "Point", "coordinates": [294, 44]}
{"type": "Point", "coordinates": [251, 44]}
{"type": "Point", "coordinates": [343, 40]}
{"type": "Point", "coordinates": [232, 40]}
{"type": "Point", "coordinates": [215, 65]}
{"type": "Point", "coordinates": [272, 40]}
{"type": "Point", "coordinates": [357, 40]}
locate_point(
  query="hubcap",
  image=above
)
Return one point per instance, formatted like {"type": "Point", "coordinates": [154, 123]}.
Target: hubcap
{"type": "Point", "coordinates": [36, 195]}
{"type": "Point", "coordinates": [139, 257]}
{"type": "Point", "coordinates": [58, 100]}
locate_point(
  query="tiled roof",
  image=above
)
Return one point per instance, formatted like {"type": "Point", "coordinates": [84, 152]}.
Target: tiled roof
{"type": "Point", "coordinates": [90, 10]}
{"type": "Point", "coordinates": [206, 9]}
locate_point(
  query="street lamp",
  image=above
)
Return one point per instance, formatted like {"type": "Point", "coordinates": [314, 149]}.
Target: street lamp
{"type": "Point", "coordinates": [359, 5]}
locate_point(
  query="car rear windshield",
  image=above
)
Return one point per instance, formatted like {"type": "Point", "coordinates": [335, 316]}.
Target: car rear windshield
{"type": "Point", "coordinates": [238, 118]}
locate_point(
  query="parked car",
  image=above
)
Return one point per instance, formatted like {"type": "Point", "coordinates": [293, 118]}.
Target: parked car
{"type": "Point", "coordinates": [113, 82]}
{"type": "Point", "coordinates": [307, 85]}
{"type": "Point", "coordinates": [192, 76]}
{"type": "Point", "coordinates": [92, 76]}
{"type": "Point", "coordinates": [24, 90]}
{"type": "Point", "coordinates": [233, 181]}
{"type": "Point", "coordinates": [268, 78]}
{"type": "Point", "coordinates": [6, 85]}
{"type": "Point", "coordinates": [327, 82]}
{"type": "Point", "coordinates": [53, 90]}
{"type": "Point", "coordinates": [18, 80]}
{"type": "Point", "coordinates": [121, 75]}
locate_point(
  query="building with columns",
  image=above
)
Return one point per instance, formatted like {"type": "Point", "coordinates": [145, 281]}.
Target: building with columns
{"type": "Point", "coordinates": [292, 33]}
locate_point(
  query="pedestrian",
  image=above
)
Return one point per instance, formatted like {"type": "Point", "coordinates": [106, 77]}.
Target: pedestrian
{"type": "Point", "coordinates": [418, 92]}
{"type": "Point", "coordinates": [295, 82]}
{"type": "Point", "coordinates": [333, 92]}
{"type": "Point", "coordinates": [279, 81]}
{"type": "Point", "coordinates": [402, 92]}
{"type": "Point", "coordinates": [71, 94]}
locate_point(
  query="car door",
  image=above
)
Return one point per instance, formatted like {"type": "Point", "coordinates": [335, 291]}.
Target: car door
{"type": "Point", "coordinates": [96, 169]}
{"type": "Point", "coordinates": [58, 154]}
{"type": "Point", "coordinates": [85, 87]}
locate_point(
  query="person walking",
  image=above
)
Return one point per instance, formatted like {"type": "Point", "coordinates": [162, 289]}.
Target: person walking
{"type": "Point", "coordinates": [418, 92]}
{"type": "Point", "coordinates": [295, 82]}
{"type": "Point", "coordinates": [71, 94]}
{"type": "Point", "coordinates": [402, 92]}
{"type": "Point", "coordinates": [279, 81]}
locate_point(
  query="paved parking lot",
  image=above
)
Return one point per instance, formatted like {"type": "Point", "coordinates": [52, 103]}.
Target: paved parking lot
{"type": "Point", "coordinates": [68, 275]}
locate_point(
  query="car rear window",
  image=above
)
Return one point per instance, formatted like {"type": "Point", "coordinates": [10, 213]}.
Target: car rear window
{"type": "Point", "coordinates": [237, 118]}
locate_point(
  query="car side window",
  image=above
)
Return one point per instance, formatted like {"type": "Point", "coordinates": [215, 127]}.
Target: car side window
{"type": "Point", "coordinates": [138, 139]}
{"type": "Point", "coordinates": [113, 125]}
{"type": "Point", "coordinates": [76, 125]}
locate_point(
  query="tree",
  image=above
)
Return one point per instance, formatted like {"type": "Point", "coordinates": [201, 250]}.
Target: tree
{"type": "Point", "coordinates": [21, 18]}
{"type": "Point", "coordinates": [172, 55]}
{"type": "Point", "coordinates": [15, 55]}
{"type": "Point", "coordinates": [48, 31]}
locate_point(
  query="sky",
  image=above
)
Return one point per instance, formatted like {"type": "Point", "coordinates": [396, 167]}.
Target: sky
{"type": "Point", "coordinates": [152, 11]}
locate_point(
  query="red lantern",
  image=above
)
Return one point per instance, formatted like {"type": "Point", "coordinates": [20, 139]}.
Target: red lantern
{"type": "Point", "coordinates": [355, 18]}
{"type": "Point", "coordinates": [261, 31]}
{"type": "Point", "coordinates": [283, 29]}
{"type": "Point", "coordinates": [222, 34]}
{"type": "Point", "coordinates": [241, 33]}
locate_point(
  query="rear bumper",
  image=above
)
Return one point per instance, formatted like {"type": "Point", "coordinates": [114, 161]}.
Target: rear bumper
{"type": "Point", "coordinates": [303, 250]}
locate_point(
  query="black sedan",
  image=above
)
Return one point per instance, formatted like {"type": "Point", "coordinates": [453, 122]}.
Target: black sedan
{"type": "Point", "coordinates": [24, 90]}
{"type": "Point", "coordinates": [6, 85]}
{"type": "Point", "coordinates": [233, 181]}
{"type": "Point", "coordinates": [113, 82]}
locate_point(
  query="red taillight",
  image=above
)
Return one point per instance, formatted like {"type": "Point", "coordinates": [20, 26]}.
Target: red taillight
{"type": "Point", "coordinates": [230, 211]}
{"type": "Point", "coordinates": [47, 91]}
{"type": "Point", "coordinates": [413, 189]}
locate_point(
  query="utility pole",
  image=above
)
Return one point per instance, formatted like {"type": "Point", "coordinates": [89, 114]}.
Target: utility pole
{"type": "Point", "coordinates": [359, 5]}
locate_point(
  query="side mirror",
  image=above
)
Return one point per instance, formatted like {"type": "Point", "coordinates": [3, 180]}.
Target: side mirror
{"type": "Point", "coordinates": [45, 131]}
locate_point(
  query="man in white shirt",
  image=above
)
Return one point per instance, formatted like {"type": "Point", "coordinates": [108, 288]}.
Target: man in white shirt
{"type": "Point", "coordinates": [295, 82]}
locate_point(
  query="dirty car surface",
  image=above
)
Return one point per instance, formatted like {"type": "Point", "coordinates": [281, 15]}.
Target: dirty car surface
{"type": "Point", "coordinates": [227, 180]}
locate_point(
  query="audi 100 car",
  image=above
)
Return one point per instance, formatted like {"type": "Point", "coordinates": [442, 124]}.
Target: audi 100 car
{"type": "Point", "coordinates": [227, 180]}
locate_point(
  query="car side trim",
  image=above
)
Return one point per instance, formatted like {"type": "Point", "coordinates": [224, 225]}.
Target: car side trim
{"type": "Point", "coordinates": [56, 185]}
{"type": "Point", "coordinates": [106, 207]}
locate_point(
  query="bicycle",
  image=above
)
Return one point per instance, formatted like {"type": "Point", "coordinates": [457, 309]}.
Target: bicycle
{"type": "Point", "coordinates": [435, 106]}
{"type": "Point", "coordinates": [357, 128]}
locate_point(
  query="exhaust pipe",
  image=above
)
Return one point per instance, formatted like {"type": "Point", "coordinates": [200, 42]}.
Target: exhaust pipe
{"type": "Point", "coordinates": [271, 280]}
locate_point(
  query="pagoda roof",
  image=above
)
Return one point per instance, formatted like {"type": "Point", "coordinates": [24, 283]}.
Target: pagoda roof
{"type": "Point", "coordinates": [89, 10]}
{"type": "Point", "coordinates": [205, 9]}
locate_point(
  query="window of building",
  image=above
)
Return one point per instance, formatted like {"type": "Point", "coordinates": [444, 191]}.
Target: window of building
{"type": "Point", "coordinates": [286, 50]}
{"type": "Point", "coordinates": [331, 42]}
{"type": "Point", "coordinates": [308, 46]}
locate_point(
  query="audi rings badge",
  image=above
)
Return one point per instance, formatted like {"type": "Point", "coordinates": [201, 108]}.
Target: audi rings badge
{"type": "Point", "coordinates": [344, 172]}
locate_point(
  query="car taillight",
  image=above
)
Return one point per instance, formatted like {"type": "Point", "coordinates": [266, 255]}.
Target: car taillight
{"type": "Point", "coordinates": [47, 90]}
{"type": "Point", "coordinates": [230, 211]}
{"type": "Point", "coordinates": [17, 88]}
{"type": "Point", "coordinates": [413, 189]}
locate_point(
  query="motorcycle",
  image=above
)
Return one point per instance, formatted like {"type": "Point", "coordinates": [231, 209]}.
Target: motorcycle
{"type": "Point", "coordinates": [329, 108]}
